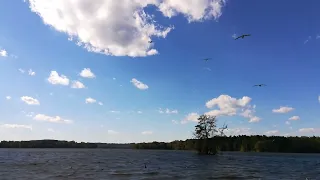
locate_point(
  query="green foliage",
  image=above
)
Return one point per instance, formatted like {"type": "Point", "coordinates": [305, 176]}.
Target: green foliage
{"type": "Point", "coordinates": [241, 143]}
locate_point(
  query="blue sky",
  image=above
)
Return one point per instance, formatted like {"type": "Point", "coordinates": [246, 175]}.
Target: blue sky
{"type": "Point", "coordinates": [109, 84]}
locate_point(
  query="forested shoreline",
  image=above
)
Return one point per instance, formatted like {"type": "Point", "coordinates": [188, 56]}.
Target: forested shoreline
{"type": "Point", "coordinates": [222, 143]}
{"type": "Point", "coordinates": [244, 144]}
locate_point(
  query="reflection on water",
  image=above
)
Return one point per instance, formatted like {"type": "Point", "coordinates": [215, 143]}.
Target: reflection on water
{"type": "Point", "coordinates": [145, 164]}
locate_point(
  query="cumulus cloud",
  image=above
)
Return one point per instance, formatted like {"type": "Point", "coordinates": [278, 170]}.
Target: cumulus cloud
{"type": "Point", "coordinates": [90, 100]}
{"type": "Point", "coordinates": [139, 84]}
{"type": "Point", "coordinates": [77, 85]}
{"type": "Point", "coordinates": [87, 73]}
{"type": "Point", "coordinates": [31, 73]}
{"type": "Point", "coordinates": [192, 117]}
{"type": "Point", "coordinates": [307, 130]}
{"type": "Point", "coordinates": [122, 27]}
{"type": "Point", "coordinates": [3, 53]}
{"type": "Point", "coordinates": [55, 119]}
{"type": "Point", "coordinates": [272, 133]}
{"type": "Point", "coordinates": [288, 123]}
{"type": "Point", "coordinates": [57, 79]}
{"type": "Point", "coordinates": [30, 100]}
{"type": "Point", "coordinates": [283, 109]}
{"type": "Point", "coordinates": [294, 118]}
{"type": "Point", "coordinates": [112, 132]}
{"type": "Point", "coordinates": [100, 103]}
{"type": "Point", "coordinates": [8, 97]}
{"type": "Point", "coordinates": [228, 106]}
{"type": "Point", "coordinates": [146, 132]}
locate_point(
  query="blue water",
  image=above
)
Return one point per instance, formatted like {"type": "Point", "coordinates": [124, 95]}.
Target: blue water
{"type": "Point", "coordinates": [148, 164]}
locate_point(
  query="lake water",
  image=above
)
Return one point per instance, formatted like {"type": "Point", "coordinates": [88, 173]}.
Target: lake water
{"type": "Point", "coordinates": [130, 164]}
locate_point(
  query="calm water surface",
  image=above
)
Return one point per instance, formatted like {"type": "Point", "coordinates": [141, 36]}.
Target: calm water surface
{"type": "Point", "coordinates": [130, 164]}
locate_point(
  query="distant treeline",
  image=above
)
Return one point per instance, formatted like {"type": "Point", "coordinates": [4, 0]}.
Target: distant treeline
{"type": "Point", "coordinates": [46, 144]}
{"type": "Point", "coordinates": [61, 144]}
{"type": "Point", "coordinates": [245, 144]}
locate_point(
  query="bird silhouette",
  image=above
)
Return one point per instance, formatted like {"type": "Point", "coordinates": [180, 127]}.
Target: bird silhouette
{"type": "Point", "coordinates": [206, 59]}
{"type": "Point", "coordinates": [150, 41]}
{"type": "Point", "coordinates": [242, 36]}
{"type": "Point", "coordinates": [259, 85]}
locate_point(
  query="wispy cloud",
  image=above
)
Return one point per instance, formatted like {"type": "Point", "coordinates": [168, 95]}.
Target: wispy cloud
{"type": "Point", "coordinates": [113, 111]}
{"type": "Point", "coordinates": [168, 111]}
{"type": "Point", "coordinates": [21, 70]}
{"type": "Point", "coordinates": [283, 109]}
{"type": "Point", "coordinates": [16, 126]}
{"type": "Point", "coordinates": [50, 130]}
{"type": "Point", "coordinates": [139, 84]}
{"type": "Point", "coordinates": [112, 132]}
{"type": "Point", "coordinates": [294, 118]}
{"type": "Point", "coordinates": [52, 119]}
{"type": "Point", "coordinates": [307, 130]}
{"type": "Point", "coordinates": [307, 40]}
{"type": "Point", "coordinates": [100, 103]}
{"type": "Point", "coordinates": [30, 100]}
{"type": "Point", "coordinates": [8, 97]}
{"type": "Point", "coordinates": [272, 132]}
{"type": "Point", "coordinates": [146, 132]}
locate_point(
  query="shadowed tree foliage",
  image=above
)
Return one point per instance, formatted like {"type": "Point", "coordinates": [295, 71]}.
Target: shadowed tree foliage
{"type": "Point", "coordinates": [257, 143]}
{"type": "Point", "coordinates": [205, 130]}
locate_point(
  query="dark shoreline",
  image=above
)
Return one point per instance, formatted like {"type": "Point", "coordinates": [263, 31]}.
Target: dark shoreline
{"type": "Point", "coordinates": [256, 143]}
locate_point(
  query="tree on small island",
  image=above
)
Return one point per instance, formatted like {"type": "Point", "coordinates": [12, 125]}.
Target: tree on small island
{"type": "Point", "coordinates": [205, 130]}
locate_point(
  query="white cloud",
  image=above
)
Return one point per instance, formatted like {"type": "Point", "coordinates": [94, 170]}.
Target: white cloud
{"type": "Point", "coordinates": [8, 97]}
{"type": "Point", "coordinates": [56, 79]}
{"type": "Point", "coordinates": [31, 73]}
{"type": "Point", "coordinates": [234, 35]}
{"type": "Point", "coordinates": [122, 27]}
{"type": "Point", "coordinates": [237, 131]}
{"type": "Point", "coordinates": [90, 100]}
{"type": "Point", "coordinates": [87, 73]}
{"type": "Point", "coordinates": [168, 111]}
{"type": "Point", "coordinates": [307, 130]}
{"type": "Point", "coordinates": [307, 40]}
{"type": "Point", "coordinates": [139, 112]}
{"type": "Point", "coordinates": [294, 118]}
{"type": "Point", "coordinates": [77, 85]}
{"type": "Point", "coordinates": [193, 117]}
{"type": "Point", "coordinates": [139, 84]}
{"type": "Point", "coordinates": [115, 111]}
{"type": "Point", "coordinates": [16, 126]}
{"type": "Point", "coordinates": [283, 109]}
{"type": "Point", "coordinates": [146, 132]}
{"type": "Point", "coordinates": [112, 132]}
{"type": "Point", "coordinates": [30, 114]}
{"type": "Point", "coordinates": [229, 106]}
{"type": "Point", "coordinates": [50, 130]}
{"type": "Point", "coordinates": [21, 70]}
{"type": "Point", "coordinates": [288, 123]}
{"type": "Point", "coordinates": [56, 119]}
{"type": "Point", "coordinates": [30, 100]}
{"type": "Point", "coordinates": [319, 99]}
{"type": "Point", "coordinates": [273, 132]}
{"type": "Point", "coordinates": [114, 78]}
{"type": "Point", "coordinates": [3, 53]}
{"type": "Point", "coordinates": [100, 103]}
{"type": "Point", "coordinates": [174, 122]}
